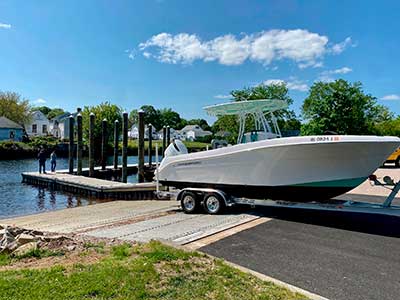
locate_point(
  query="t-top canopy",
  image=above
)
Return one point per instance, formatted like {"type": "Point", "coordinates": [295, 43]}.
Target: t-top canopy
{"type": "Point", "coordinates": [246, 107]}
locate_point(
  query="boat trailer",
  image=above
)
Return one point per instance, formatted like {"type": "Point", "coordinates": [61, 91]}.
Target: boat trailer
{"type": "Point", "coordinates": [213, 201]}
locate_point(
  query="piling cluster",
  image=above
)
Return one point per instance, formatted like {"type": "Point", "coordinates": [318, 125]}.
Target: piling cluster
{"type": "Point", "coordinates": [117, 131]}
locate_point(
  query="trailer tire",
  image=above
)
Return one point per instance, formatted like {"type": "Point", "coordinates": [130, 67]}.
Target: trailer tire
{"type": "Point", "coordinates": [189, 202]}
{"type": "Point", "coordinates": [213, 203]}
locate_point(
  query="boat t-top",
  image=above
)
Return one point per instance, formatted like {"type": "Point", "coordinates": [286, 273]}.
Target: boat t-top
{"type": "Point", "coordinates": [265, 165]}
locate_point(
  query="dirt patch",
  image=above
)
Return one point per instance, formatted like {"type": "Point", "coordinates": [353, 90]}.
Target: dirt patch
{"type": "Point", "coordinates": [66, 250]}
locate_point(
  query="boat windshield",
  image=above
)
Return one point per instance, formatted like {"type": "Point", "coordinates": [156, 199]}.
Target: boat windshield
{"type": "Point", "coordinates": [256, 108]}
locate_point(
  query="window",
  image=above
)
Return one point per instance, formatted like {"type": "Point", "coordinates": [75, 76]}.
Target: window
{"type": "Point", "coordinates": [44, 128]}
{"type": "Point", "coordinates": [12, 134]}
{"type": "Point", "coordinates": [34, 128]}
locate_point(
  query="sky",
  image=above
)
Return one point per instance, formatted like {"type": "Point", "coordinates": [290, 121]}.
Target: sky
{"type": "Point", "coordinates": [185, 55]}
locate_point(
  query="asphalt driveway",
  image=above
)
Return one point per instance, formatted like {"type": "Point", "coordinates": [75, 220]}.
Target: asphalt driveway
{"type": "Point", "coordinates": [336, 255]}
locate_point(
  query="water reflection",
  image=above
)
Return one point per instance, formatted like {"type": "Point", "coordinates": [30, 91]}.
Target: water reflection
{"type": "Point", "coordinates": [41, 197]}
{"type": "Point", "coordinates": [21, 199]}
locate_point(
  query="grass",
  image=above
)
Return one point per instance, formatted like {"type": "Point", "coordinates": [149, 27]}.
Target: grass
{"type": "Point", "coordinates": [99, 247]}
{"type": "Point", "coordinates": [7, 259]}
{"type": "Point", "coordinates": [192, 146]}
{"type": "Point", "coordinates": [39, 253]}
{"type": "Point", "coordinates": [149, 271]}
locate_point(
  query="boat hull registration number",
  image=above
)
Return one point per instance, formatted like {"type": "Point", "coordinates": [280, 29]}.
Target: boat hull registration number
{"type": "Point", "coordinates": [325, 139]}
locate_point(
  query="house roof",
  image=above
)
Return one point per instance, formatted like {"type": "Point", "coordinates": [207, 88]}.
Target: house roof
{"type": "Point", "coordinates": [191, 127]}
{"type": "Point", "coordinates": [38, 112]}
{"type": "Point", "coordinates": [7, 123]}
{"type": "Point", "coordinates": [63, 116]}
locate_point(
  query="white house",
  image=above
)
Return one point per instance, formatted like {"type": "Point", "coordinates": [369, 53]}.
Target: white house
{"type": "Point", "coordinates": [192, 132]}
{"type": "Point", "coordinates": [39, 124]}
{"type": "Point", "coordinates": [134, 132]}
{"type": "Point", "coordinates": [174, 134]}
{"type": "Point", "coordinates": [59, 126]}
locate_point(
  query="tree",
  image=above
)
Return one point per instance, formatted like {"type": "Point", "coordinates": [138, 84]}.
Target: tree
{"type": "Point", "coordinates": [341, 107]}
{"type": "Point", "coordinates": [13, 107]}
{"type": "Point", "coordinates": [227, 123]}
{"type": "Point", "coordinates": [151, 116]}
{"type": "Point", "coordinates": [133, 118]}
{"type": "Point", "coordinates": [201, 122]}
{"type": "Point", "coordinates": [388, 127]}
{"type": "Point", "coordinates": [170, 118]}
{"type": "Point", "coordinates": [55, 112]}
{"type": "Point", "coordinates": [105, 110]}
{"type": "Point", "coordinates": [43, 109]}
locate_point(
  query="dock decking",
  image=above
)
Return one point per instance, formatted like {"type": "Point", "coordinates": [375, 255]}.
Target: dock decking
{"type": "Point", "coordinates": [89, 186]}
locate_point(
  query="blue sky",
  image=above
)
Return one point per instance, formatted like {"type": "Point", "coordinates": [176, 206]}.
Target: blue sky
{"type": "Point", "coordinates": [188, 54]}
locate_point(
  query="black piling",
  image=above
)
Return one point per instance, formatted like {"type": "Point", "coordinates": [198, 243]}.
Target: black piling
{"type": "Point", "coordinates": [91, 145]}
{"type": "Point", "coordinates": [79, 144]}
{"type": "Point", "coordinates": [168, 135]}
{"type": "Point", "coordinates": [150, 127]}
{"type": "Point", "coordinates": [116, 140]}
{"type": "Point", "coordinates": [141, 146]}
{"type": "Point", "coordinates": [125, 147]}
{"type": "Point", "coordinates": [103, 144]}
{"type": "Point", "coordinates": [164, 139]}
{"type": "Point", "coordinates": [71, 145]}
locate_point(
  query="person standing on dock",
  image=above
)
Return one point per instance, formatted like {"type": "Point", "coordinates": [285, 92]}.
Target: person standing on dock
{"type": "Point", "coordinates": [42, 161]}
{"type": "Point", "coordinates": [53, 161]}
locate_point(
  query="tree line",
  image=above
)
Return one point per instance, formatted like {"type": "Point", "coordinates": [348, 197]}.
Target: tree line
{"type": "Point", "coordinates": [339, 106]}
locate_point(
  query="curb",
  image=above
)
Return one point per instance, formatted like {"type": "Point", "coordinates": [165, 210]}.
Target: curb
{"type": "Point", "coordinates": [277, 282]}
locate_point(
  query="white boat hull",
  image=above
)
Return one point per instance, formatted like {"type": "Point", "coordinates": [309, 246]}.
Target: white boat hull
{"type": "Point", "coordinates": [312, 167]}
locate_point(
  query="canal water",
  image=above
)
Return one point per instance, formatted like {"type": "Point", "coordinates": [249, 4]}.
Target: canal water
{"type": "Point", "coordinates": [17, 198]}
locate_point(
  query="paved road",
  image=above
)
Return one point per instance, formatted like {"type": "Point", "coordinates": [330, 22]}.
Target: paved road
{"type": "Point", "coordinates": [337, 256]}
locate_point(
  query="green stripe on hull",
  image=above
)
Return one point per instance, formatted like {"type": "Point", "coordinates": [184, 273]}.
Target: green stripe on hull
{"type": "Point", "coordinates": [352, 182]}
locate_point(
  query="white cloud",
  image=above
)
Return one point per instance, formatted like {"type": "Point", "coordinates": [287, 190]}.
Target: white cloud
{"type": "Point", "coordinates": [305, 48]}
{"type": "Point", "coordinates": [292, 84]}
{"type": "Point", "coordinates": [343, 70]}
{"type": "Point", "coordinates": [222, 96]}
{"type": "Point", "coordinates": [131, 53]}
{"type": "Point", "coordinates": [5, 26]}
{"type": "Point", "coordinates": [391, 97]}
{"type": "Point", "coordinates": [327, 76]}
{"type": "Point", "coordinates": [40, 101]}
{"type": "Point", "coordinates": [340, 47]}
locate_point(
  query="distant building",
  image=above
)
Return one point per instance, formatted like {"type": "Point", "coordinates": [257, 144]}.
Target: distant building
{"type": "Point", "coordinates": [133, 133]}
{"type": "Point", "coordinates": [9, 130]}
{"type": "Point", "coordinates": [59, 126]}
{"type": "Point", "coordinates": [39, 124]}
{"type": "Point", "coordinates": [192, 132]}
{"type": "Point", "coordinates": [174, 134]}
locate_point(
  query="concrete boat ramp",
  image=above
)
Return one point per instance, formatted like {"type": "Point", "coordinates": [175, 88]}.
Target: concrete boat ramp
{"type": "Point", "coordinates": [133, 221]}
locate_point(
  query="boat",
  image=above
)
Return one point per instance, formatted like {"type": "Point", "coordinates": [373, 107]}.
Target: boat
{"type": "Point", "coordinates": [265, 165]}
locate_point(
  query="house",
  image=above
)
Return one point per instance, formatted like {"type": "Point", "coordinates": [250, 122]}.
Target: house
{"type": "Point", "coordinates": [174, 134]}
{"type": "Point", "coordinates": [59, 126]}
{"type": "Point", "coordinates": [39, 124]}
{"type": "Point", "coordinates": [134, 132]}
{"type": "Point", "coordinates": [9, 130]}
{"type": "Point", "coordinates": [192, 132]}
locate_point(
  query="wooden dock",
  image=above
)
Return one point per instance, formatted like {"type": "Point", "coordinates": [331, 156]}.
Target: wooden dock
{"type": "Point", "coordinates": [89, 186]}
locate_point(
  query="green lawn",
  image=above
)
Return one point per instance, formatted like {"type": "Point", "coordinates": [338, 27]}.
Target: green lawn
{"type": "Point", "coordinates": [149, 271]}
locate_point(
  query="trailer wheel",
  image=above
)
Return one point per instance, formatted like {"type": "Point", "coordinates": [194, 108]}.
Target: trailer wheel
{"type": "Point", "coordinates": [189, 202]}
{"type": "Point", "coordinates": [213, 204]}
{"type": "Point", "coordinates": [397, 162]}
